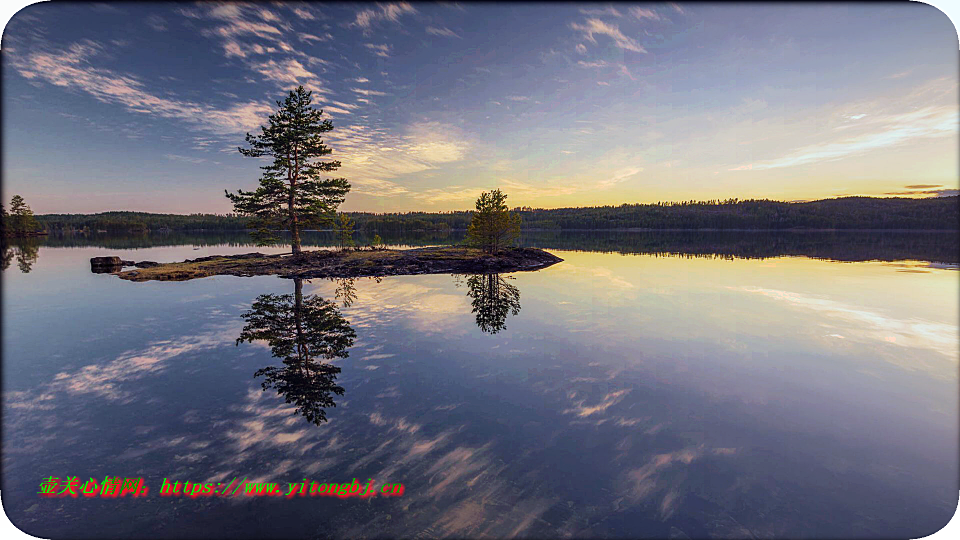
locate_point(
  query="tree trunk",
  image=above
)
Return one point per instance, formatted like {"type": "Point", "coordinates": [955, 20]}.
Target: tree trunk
{"type": "Point", "coordinates": [294, 222]}
{"type": "Point", "coordinates": [302, 352]}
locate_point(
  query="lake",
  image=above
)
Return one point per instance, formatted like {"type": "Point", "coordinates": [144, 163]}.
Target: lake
{"type": "Point", "coordinates": [668, 384]}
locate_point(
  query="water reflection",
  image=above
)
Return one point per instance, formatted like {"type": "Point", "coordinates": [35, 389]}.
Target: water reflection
{"type": "Point", "coordinates": [492, 299]}
{"type": "Point", "coordinates": [26, 253]}
{"type": "Point", "coordinates": [301, 331]}
{"type": "Point", "coordinates": [830, 245]}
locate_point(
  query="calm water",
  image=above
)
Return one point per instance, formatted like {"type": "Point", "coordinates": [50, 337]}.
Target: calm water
{"type": "Point", "coordinates": [725, 385]}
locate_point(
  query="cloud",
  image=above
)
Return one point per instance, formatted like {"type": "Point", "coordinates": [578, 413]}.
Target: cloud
{"type": "Point", "coordinates": [187, 159]}
{"type": "Point", "coordinates": [518, 98]}
{"type": "Point", "coordinates": [642, 13]}
{"type": "Point", "coordinates": [360, 80]}
{"type": "Point", "coordinates": [886, 132]}
{"type": "Point", "coordinates": [443, 31]}
{"type": "Point", "coordinates": [923, 186]}
{"type": "Point", "coordinates": [899, 75]}
{"type": "Point", "coordinates": [289, 72]}
{"type": "Point", "coordinates": [597, 64]}
{"type": "Point", "coordinates": [609, 10]}
{"type": "Point", "coordinates": [926, 192]}
{"type": "Point", "coordinates": [156, 22]}
{"type": "Point", "coordinates": [376, 187]}
{"type": "Point", "coordinates": [379, 50]}
{"type": "Point", "coordinates": [372, 156]}
{"type": "Point", "coordinates": [382, 12]}
{"type": "Point", "coordinates": [596, 26]}
{"type": "Point", "coordinates": [304, 13]}
{"type": "Point", "coordinates": [303, 36]}
{"type": "Point", "coordinates": [619, 176]}
{"type": "Point", "coordinates": [71, 68]}
{"type": "Point", "coordinates": [581, 48]}
{"type": "Point", "coordinates": [365, 92]}
{"type": "Point", "coordinates": [448, 195]}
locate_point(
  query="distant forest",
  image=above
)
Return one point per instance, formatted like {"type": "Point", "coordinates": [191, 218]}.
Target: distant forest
{"type": "Point", "coordinates": [942, 213]}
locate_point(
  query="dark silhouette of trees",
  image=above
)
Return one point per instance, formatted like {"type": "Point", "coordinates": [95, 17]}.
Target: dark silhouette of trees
{"type": "Point", "coordinates": [492, 299]}
{"type": "Point", "coordinates": [493, 226]}
{"type": "Point", "coordinates": [941, 213]}
{"type": "Point", "coordinates": [19, 221]}
{"type": "Point", "coordinates": [292, 194]}
{"type": "Point", "coordinates": [302, 331]}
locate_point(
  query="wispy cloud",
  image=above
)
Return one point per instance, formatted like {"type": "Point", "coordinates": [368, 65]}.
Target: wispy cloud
{"type": "Point", "coordinates": [924, 190]}
{"type": "Point", "coordinates": [441, 31]}
{"type": "Point", "coordinates": [156, 22]}
{"type": "Point", "coordinates": [366, 92]}
{"type": "Point", "coordinates": [594, 27]}
{"type": "Point", "coordinates": [643, 13]}
{"type": "Point", "coordinates": [887, 132]}
{"type": "Point", "coordinates": [597, 64]}
{"type": "Point", "coordinates": [303, 36]}
{"type": "Point", "coordinates": [379, 49]}
{"type": "Point", "coordinates": [618, 177]}
{"type": "Point", "coordinates": [72, 68]}
{"type": "Point", "coordinates": [609, 10]}
{"type": "Point", "coordinates": [187, 159]}
{"type": "Point", "coordinates": [289, 72]}
{"type": "Point", "coordinates": [366, 18]}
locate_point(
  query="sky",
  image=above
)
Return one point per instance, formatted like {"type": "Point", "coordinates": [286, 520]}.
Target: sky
{"type": "Point", "coordinates": [138, 106]}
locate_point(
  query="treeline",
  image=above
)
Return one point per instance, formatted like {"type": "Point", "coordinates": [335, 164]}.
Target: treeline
{"type": "Point", "coordinates": [942, 213]}
{"type": "Point", "coordinates": [844, 213]}
{"type": "Point", "coordinates": [141, 221]}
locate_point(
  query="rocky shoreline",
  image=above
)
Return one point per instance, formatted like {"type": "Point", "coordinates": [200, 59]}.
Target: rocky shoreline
{"type": "Point", "coordinates": [335, 264]}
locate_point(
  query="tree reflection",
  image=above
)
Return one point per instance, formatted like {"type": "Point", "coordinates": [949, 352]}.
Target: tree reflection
{"type": "Point", "coordinates": [346, 291]}
{"type": "Point", "coordinates": [302, 331]}
{"type": "Point", "coordinates": [493, 299]}
{"type": "Point", "coordinates": [26, 254]}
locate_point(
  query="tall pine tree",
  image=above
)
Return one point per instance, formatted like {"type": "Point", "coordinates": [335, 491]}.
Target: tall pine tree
{"type": "Point", "coordinates": [292, 195]}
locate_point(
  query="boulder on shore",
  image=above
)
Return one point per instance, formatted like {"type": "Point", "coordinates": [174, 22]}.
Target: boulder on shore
{"type": "Point", "coordinates": [102, 265]}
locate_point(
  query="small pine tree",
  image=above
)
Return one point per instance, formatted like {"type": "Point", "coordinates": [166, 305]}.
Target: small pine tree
{"type": "Point", "coordinates": [344, 231]}
{"type": "Point", "coordinates": [492, 226]}
{"type": "Point", "coordinates": [292, 194]}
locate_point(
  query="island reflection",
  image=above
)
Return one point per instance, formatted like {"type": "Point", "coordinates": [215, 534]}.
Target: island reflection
{"type": "Point", "coordinates": [303, 332]}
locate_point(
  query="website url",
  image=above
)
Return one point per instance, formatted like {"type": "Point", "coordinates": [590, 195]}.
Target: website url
{"type": "Point", "coordinates": [273, 489]}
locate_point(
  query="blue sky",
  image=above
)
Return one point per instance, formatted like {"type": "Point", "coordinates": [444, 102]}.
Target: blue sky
{"type": "Point", "coordinates": [141, 106]}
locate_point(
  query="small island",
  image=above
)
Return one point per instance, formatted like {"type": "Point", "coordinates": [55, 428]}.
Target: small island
{"type": "Point", "coordinates": [340, 264]}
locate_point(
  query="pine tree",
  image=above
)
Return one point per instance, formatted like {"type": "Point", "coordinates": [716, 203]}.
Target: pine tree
{"type": "Point", "coordinates": [20, 218]}
{"type": "Point", "coordinates": [292, 194]}
{"type": "Point", "coordinates": [492, 226]}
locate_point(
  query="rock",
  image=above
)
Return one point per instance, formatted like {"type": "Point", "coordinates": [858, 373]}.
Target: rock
{"type": "Point", "coordinates": [106, 261]}
{"type": "Point", "coordinates": [145, 264]}
{"type": "Point", "coordinates": [105, 265]}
